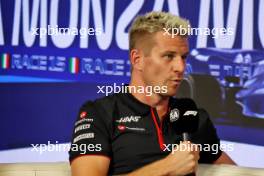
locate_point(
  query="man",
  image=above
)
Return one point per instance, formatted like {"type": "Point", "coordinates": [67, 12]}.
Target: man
{"type": "Point", "coordinates": [127, 132]}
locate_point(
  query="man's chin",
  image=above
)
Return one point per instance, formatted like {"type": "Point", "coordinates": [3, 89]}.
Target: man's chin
{"type": "Point", "coordinates": [170, 93]}
{"type": "Point", "coordinates": [173, 91]}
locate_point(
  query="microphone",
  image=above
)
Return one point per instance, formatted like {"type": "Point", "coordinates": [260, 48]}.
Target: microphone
{"type": "Point", "coordinates": [184, 118]}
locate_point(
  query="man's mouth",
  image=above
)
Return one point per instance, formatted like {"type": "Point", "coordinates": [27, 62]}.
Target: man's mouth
{"type": "Point", "coordinates": [176, 81]}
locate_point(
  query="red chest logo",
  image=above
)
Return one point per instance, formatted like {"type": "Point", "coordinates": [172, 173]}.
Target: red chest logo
{"type": "Point", "coordinates": [121, 127]}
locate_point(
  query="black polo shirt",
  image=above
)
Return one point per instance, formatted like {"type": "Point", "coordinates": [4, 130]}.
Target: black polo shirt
{"type": "Point", "coordinates": [130, 133]}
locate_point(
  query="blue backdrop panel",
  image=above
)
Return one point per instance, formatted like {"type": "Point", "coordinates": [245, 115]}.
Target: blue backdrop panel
{"type": "Point", "coordinates": [41, 91]}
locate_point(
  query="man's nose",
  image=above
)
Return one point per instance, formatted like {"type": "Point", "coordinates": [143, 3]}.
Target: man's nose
{"type": "Point", "coordinates": [179, 64]}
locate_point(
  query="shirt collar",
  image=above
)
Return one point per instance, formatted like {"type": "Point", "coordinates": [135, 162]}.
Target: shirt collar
{"type": "Point", "coordinates": [134, 104]}
{"type": "Point", "coordinates": [139, 107]}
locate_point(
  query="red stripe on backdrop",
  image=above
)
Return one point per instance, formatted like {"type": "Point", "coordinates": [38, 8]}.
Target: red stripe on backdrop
{"type": "Point", "coordinates": [7, 60]}
{"type": "Point", "coordinates": [77, 65]}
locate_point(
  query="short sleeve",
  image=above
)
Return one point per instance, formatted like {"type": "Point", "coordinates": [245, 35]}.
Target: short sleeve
{"type": "Point", "coordinates": [208, 139]}
{"type": "Point", "coordinates": [90, 134]}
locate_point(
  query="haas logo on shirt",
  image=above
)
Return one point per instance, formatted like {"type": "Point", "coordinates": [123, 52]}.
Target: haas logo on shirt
{"type": "Point", "coordinates": [128, 119]}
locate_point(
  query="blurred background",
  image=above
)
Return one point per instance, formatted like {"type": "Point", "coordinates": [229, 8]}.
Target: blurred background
{"type": "Point", "coordinates": [45, 78]}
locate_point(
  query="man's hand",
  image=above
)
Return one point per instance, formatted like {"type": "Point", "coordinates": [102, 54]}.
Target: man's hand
{"type": "Point", "coordinates": [179, 162]}
{"type": "Point", "coordinates": [183, 159]}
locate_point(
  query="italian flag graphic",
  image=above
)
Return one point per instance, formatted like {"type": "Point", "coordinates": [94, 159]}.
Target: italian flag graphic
{"type": "Point", "coordinates": [5, 60]}
{"type": "Point", "coordinates": [74, 65]}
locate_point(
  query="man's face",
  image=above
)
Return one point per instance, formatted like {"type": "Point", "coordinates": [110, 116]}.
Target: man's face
{"type": "Point", "coordinates": [165, 64]}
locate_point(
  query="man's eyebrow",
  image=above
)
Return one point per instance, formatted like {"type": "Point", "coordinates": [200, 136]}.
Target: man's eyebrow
{"type": "Point", "coordinates": [169, 51]}
{"type": "Point", "coordinates": [186, 54]}
{"type": "Point", "coordinates": [174, 52]}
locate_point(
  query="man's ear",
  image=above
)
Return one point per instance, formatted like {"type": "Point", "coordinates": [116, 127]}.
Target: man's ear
{"type": "Point", "coordinates": [136, 59]}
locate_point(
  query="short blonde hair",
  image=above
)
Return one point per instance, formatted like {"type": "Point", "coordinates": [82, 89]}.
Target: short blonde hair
{"type": "Point", "coordinates": [152, 22]}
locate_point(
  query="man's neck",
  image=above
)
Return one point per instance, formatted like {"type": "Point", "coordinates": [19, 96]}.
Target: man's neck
{"type": "Point", "coordinates": [153, 100]}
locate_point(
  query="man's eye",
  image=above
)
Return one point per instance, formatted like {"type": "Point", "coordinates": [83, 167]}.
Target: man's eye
{"type": "Point", "coordinates": [184, 57]}
{"type": "Point", "coordinates": [169, 56]}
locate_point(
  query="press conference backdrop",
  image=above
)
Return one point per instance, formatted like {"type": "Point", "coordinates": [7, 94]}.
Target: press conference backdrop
{"type": "Point", "coordinates": [46, 78]}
